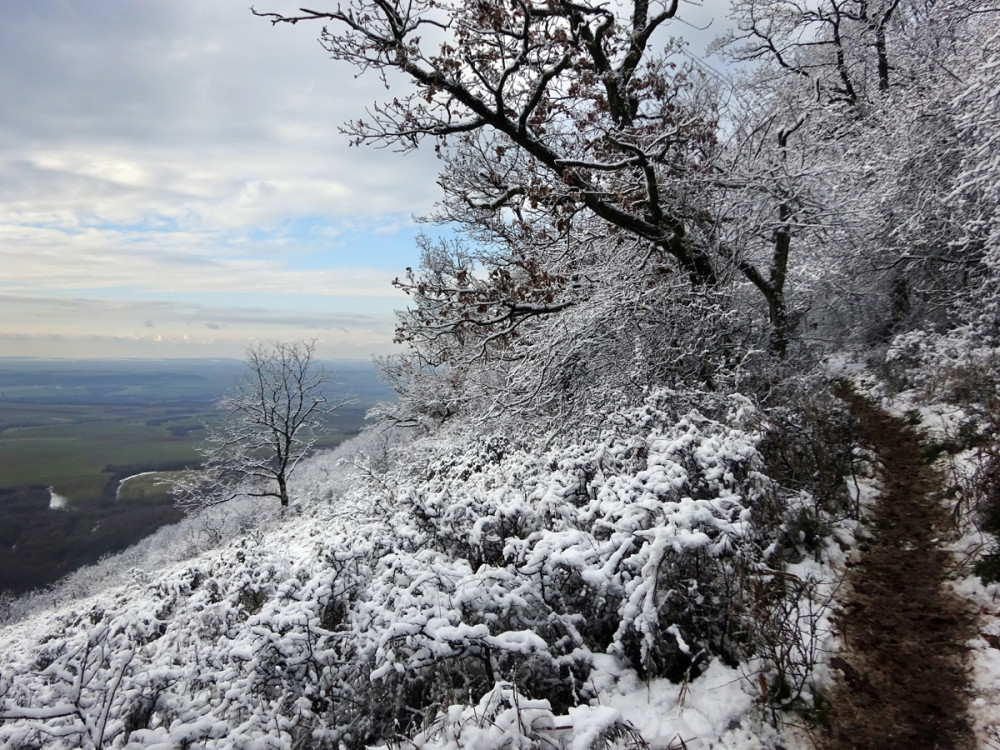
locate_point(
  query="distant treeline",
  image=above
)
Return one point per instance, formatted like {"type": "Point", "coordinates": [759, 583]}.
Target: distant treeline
{"type": "Point", "coordinates": [40, 545]}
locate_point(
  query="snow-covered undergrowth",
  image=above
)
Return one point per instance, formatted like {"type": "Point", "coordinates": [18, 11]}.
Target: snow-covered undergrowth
{"type": "Point", "coordinates": [647, 584]}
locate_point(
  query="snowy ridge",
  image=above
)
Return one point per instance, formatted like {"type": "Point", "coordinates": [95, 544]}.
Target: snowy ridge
{"type": "Point", "coordinates": [600, 582]}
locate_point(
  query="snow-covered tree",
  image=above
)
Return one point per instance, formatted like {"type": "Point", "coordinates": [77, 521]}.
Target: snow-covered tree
{"type": "Point", "coordinates": [573, 333]}
{"type": "Point", "coordinates": [272, 417]}
{"type": "Point", "coordinates": [578, 114]}
{"type": "Point", "coordinates": [841, 47]}
{"type": "Point", "coordinates": [563, 127]}
{"type": "Point", "coordinates": [868, 92]}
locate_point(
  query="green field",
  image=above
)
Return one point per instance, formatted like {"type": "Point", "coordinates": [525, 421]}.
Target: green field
{"type": "Point", "coordinates": [79, 426]}
{"type": "Point", "coordinates": [72, 448]}
{"type": "Point", "coordinates": [71, 456]}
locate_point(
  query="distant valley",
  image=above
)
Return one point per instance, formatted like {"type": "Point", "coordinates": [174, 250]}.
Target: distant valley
{"type": "Point", "coordinates": [76, 428]}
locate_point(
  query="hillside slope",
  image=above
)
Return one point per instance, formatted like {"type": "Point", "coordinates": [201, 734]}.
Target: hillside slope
{"type": "Point", "coordinates": [616, 586]}
{"type": "Point", "coordinates": [656, 585]}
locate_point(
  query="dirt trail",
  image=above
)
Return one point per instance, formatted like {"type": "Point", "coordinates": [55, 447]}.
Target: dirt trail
{"type": "Point", "coordinates": [904, 684]}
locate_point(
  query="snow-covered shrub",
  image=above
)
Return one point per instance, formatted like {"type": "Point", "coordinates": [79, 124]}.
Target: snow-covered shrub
{"type": "Point", "coordinates": [959, 366]}
{"type": "Point", "coordinates": [517, 565]}
{"type": "Point", "coordinates": [484, 562]}
{"type": "Point", "coordinates": [788, 616]}
{"type": "Point", "coordinates": [809, 452]}
{"type": "Point", "coordinates": [245, 643]}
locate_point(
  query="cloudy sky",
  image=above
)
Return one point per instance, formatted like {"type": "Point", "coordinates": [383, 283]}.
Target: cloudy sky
{"type": "Point", "coordinates": [173, 184]}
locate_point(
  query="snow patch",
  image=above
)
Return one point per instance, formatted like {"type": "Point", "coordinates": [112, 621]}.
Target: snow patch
{"type": "Point", "coordinates": [57, 501]}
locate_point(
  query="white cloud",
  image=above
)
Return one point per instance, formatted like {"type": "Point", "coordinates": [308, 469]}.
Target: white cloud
{"type": "Point", "coordinates": [151, 139]}
{"type": "Point", "coordinates": [81, 327]}
{"type": "Point", "coordinates": [187, 147]}
{"type": "Point", "coordinates": [45, 258]}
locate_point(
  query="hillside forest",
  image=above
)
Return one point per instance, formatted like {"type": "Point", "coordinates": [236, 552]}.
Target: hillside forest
{"type": "Point", "coordinates": [711, 346]}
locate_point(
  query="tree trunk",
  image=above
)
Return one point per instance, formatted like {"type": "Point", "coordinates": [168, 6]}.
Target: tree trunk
{"type": "Point", "coordinates": [777, 311]}
{"type": "Point", "coordinates": [778, 315]}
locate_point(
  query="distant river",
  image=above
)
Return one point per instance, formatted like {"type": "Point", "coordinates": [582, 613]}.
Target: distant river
{"type": "Point", "coordinates": [121, 483]}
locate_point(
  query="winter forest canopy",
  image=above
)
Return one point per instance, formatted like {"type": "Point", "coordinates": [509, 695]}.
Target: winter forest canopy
{"type": "Point", "coordinates": [616, 449]}
{"type": "Point", "coordinates": [631, 217]}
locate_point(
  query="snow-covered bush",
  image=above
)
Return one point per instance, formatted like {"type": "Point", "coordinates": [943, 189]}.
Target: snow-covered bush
{"type": "Point", "coordinates": [496, 564]}
{"type": "Point", "coordinates": [809, 449]}
{"type": "Point", "coordinates": [519, 565]}
{"type": "Point", "coordinates": [229, 648]}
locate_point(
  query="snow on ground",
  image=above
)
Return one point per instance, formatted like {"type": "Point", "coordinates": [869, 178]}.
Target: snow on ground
{"type": "Point", "coordinates": [984, 658]}
{"type": "Point", "coordinates": [229, 631]}
{"type": "Point", "coordinates": [969, 544]}
{"type": "Point", "coordinates": [56, 501]}
{"type": "Point", "coordinates": [715, 710]}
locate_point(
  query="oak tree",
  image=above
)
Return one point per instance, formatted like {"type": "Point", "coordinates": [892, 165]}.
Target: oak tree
{"type": "Point", "coordinates": [566, 119]}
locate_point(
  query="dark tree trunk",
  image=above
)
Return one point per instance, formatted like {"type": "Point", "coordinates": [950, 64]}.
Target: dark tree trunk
{"type": "Point", "coordinates": [777, 310]}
